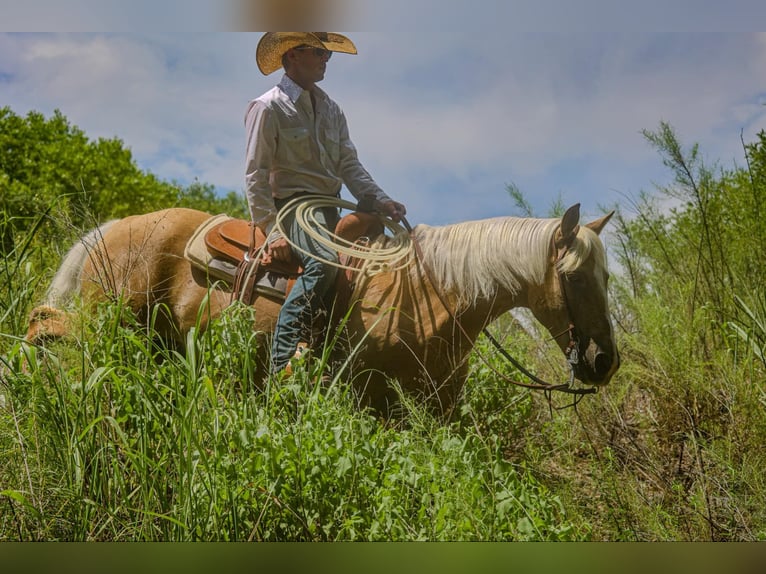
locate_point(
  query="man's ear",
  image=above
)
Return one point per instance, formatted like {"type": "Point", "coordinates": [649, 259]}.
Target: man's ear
{"type": "Point", "coordinates": [287, 58]}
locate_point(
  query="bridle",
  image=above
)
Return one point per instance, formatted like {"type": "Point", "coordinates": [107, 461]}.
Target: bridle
{"type": "Point", "coordinates": [571, 352]}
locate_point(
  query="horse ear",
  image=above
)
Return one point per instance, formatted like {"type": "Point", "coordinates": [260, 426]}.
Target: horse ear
{"type": "Point", "coordinates": [599, 224]}
{"type": "Point", "coordinates": [569, 227]}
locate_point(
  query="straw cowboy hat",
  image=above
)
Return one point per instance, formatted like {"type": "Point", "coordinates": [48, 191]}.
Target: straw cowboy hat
{"type": "Point", "coordinates": [273, 45]}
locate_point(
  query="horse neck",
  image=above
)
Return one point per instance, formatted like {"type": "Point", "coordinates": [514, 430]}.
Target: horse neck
{"type": "Point", "coordinates": [488, 267]}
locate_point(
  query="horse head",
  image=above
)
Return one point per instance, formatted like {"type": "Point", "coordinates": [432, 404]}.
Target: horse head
{"type": "Point", "coordinates": [576, 311]}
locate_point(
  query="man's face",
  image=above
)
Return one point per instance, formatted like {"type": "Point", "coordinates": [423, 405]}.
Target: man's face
{"type": "Point", "coordinates": [310, 64]}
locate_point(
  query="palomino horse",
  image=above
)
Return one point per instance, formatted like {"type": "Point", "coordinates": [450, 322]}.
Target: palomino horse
{"type": "Point", "coordinates": [416, 325]}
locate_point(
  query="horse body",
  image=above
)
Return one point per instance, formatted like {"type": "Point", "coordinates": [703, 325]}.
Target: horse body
{"type": "Point", "coordinates": [416, 324]}
{"type": "Point", "coordinates": [140, 261]}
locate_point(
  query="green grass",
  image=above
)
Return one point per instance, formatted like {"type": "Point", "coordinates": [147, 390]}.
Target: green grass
{"type": "Point", "coordinates": [673, 449]}
{"type": "Point", "coordinates": [109, 436]}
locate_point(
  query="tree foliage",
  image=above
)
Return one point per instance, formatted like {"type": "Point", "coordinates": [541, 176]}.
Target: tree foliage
{"type": "Point", "coordinates": [48, 166]}
{"type": "Point", "coordinates": [695, 240]}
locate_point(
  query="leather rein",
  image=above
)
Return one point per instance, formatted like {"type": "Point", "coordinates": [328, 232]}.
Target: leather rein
{"type": "Point", "coordinates": [571, 352]}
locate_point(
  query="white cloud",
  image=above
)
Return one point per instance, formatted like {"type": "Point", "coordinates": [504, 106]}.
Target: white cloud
{"type": "Point", "coordinates": [540, 115]}
{"type": "Point", "coordinates": [437, 114]}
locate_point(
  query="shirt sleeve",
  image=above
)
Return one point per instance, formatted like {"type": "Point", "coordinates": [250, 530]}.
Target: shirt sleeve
{"type": "Point", "coordinates": [261, 149]}
{"type": "Point", "coordinates": [358, 181]}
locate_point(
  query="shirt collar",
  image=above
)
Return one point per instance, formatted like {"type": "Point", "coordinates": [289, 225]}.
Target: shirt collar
{"type": "Point", "coordinates": [290, 88]}
{"type": "Point", "coordinates": [294, 91]}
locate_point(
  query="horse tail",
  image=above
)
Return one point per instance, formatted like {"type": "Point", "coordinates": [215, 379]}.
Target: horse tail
{"type": "Point", "coordinates": [48, 321]}
{"type": "Point", "coordinates": [67, 280]}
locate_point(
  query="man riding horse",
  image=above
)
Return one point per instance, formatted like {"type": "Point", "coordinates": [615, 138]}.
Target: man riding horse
{"type": "Point", "coordinates": [408, 329]}
{"type": "Point", "coordinates": [298, 145]}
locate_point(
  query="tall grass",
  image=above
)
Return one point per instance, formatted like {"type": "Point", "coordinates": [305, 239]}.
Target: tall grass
{"type": "Point", "coordinates": [693, 426]}
{"type": "Point", "coordinates": [110, 437]}
{"type": "Point", "coordinates": [18, 280]}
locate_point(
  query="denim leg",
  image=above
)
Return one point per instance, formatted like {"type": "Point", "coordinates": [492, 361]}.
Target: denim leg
{"type": "Point", "coordinates": [308, 295]}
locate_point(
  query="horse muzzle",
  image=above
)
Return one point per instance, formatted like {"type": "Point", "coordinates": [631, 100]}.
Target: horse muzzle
{"type": "Point", "coordinates": [597, 364]}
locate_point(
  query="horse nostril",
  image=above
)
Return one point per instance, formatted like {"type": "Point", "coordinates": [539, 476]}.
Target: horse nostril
{"type": "Point", "coordinates": [602, 363]}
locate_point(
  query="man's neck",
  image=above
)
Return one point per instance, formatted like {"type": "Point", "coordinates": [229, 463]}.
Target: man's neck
{"type": "Point", "coordinates": [305, 84]}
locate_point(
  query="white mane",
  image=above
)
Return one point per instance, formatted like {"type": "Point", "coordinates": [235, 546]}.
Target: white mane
{"type": "Point", "coordinates": [587, 242]}
{"type": "Point", "coordinates": [472, 260]}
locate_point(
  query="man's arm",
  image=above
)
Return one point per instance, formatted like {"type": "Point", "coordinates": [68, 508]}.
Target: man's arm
{"type": "Point", "coordinates": [261, 149]}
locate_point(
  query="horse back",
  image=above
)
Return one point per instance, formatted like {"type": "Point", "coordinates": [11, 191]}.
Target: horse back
{"type": "Point", "coordinates": [140, 262]}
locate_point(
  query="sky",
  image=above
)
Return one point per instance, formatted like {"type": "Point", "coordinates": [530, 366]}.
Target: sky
{"type": "Point", "coordinates": [448, 102]}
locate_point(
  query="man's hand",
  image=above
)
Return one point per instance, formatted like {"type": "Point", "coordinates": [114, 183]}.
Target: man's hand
{"type": "Point", "coordinates": [393, 209]}
{"type": "Point", "coordinates": [278, 250]}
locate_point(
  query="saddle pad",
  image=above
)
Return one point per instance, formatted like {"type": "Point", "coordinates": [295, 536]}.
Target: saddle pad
{"type": "Point", "coordinates": [222, 269]}
{"type": "Point", "coordinates": [219, 245]}
{"type": "Point", "coordinates": [196, 251]}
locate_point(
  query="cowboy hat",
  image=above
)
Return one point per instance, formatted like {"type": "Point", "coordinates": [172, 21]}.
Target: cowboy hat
{"type": "Point", "coordinates": [273, 45]}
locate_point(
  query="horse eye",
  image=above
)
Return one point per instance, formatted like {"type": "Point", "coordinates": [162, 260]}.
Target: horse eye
{"type": "Point", "coordinates": [575, 279]}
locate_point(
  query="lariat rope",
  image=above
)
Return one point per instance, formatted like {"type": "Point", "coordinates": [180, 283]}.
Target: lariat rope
{"type": "Point", "coordinates": [398, 254]}
{"type": "Point", "coordinates": [395, 255]}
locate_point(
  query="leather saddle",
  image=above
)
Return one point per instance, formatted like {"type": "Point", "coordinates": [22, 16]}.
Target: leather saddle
{"type": "Point", "coordinates": [235, 243]}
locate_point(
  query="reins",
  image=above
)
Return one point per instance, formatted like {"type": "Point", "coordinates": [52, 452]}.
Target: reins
{"type": "Point", "coordinates": [572, 353]}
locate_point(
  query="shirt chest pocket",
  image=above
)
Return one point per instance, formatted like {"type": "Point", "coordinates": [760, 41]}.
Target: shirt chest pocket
{"type": "Point", "coordinates": [294, 145]}
{"type": "Point", "coordinates": [332, 144]}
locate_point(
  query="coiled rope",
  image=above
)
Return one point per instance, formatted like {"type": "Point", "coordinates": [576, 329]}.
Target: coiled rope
{"type": "Point", "coordinates": [395, 254]}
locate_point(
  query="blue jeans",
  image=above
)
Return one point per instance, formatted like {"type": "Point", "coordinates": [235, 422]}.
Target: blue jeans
{"type": "Point", "coordinates": [313, 290]}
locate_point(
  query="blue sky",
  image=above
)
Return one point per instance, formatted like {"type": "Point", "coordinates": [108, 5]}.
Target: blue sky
{"type": "Point", "coordinates": [447, 102]}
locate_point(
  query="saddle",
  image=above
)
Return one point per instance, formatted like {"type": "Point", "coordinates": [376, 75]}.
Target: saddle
{"type": "Point", "coordinates": [227, 249]}
{"type": "Point", "coordinates": [232, 239]}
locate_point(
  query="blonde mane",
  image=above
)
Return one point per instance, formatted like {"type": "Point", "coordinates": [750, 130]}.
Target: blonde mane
{"type": "Point", "coordinates": [472, 260]}
{"type": "Point", "coordinates": [586, 245]}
